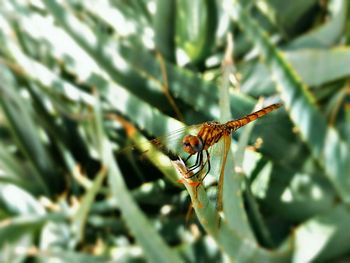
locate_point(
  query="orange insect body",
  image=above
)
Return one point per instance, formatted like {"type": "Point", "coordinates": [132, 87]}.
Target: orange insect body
{"type": "Point", "coordinates": [211, 132]}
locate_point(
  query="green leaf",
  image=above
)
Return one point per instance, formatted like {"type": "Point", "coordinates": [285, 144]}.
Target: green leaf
{"type": "Point", "coordinates": [231, 183]}
{"type": "Point", "coordinates": [319, 66]}
{"type": "Point", "coordinates": [17, 172]}
{"type": "Point", "coordinates": [80, 218]}
{"type": "Point", "coordinates": [164, 28]}
{"type": "Point", "coordinates": [20, 116]}
{"type": "Point", "coordinates": [196, 27]}
{"type": "Point", "coordinates": [290, 16]}
{"type": "Point", "coordinates": [327, 34]}
{"type": "Point", "coordinates": [69, 256]}
{"type": "Point", "coordinates": [323, 237]}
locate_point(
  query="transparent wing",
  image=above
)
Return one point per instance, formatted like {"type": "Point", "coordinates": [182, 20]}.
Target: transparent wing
{"type": "Point", "coordinates": [170, 144]}
{"type": "Point", "coordinates": [226, 143]}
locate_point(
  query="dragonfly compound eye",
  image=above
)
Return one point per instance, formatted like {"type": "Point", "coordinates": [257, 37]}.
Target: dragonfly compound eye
{"type": "Point", "coordinates": [192, 144]}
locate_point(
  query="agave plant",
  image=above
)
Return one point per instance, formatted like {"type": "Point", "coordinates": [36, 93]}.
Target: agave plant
{"type": "Point", "coordinates": [81, 81]}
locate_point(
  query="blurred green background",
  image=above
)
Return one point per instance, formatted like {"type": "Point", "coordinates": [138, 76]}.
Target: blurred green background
{"type": "Point", "coordinates": [81, 81]}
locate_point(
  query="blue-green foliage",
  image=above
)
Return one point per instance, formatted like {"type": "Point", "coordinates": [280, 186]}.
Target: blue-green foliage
{"type": "Point", "coordinates": [81, 81]}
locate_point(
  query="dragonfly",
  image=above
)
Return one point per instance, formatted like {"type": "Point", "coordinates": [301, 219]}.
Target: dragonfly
{"type": "Point", "coordinates": [197, 140]}
{"type": "Point", "coordinates": [211, 133]}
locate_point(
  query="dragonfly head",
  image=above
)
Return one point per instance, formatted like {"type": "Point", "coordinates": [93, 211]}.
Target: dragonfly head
{"type": "Point", "coordinates": [192, 144]}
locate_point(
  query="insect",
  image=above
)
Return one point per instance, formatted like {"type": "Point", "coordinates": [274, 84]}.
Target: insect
{"type": "Point", "coordinates": [206, 135]}
{"type": "Point", "coordinates": [209, 134]}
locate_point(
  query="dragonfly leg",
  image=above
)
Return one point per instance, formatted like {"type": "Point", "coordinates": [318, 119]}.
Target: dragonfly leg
{"type": "Point", "coordinates": [196, 173]}
{"type": "Point", "coordinates": [189, 156]}
{"type": "Point", "coordinates": [208, 170]}
{"type": "Point", "coordinates": [199, 162]}
{"type": "Point", "coordinates": [202, 165]}
{"type": "Point", "coordinates": [199, 165]}
{"type": "Point", "coordinates": [206, 161]}
{"type": "Point", "coordinates": [196, 164]}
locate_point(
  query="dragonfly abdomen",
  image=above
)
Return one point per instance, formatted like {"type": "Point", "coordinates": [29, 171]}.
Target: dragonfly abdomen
{"type": "Point", "coordinates": [236, 124]}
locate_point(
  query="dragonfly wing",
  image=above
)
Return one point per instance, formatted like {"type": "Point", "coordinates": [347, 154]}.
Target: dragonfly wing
{"type": "Point", "coordinates": [171, 144]}
{"type": "Point", "coordinates": [226, 147]}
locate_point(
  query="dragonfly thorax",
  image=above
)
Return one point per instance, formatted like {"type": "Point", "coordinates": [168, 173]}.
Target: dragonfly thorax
{"type": "Point", "coordinates": [192, 144]}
